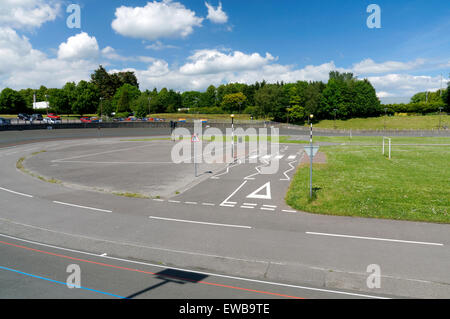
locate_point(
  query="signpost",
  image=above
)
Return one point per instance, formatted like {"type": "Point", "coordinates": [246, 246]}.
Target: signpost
{"type": "Point", "coordinates": [311, 151]}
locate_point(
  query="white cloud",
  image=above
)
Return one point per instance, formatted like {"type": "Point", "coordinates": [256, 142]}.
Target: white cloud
{"type": "Point", "coordinates": [158, 45]}
{"type": "Point", "coordinates": [21, 66]}
{"type": "Point", "coordinates": [404, 84]}
{"type": "Point", "coordinates": [25, 14]}
{"type": "Point", "coordinates": [80, 46]}
{"type": "Point", "coordinates": [214, 61]}
{"type": "Point", "coordinates": [216, 15]}
{"type": "Point", "coordinates": [369, 66]}
{"type": "Point", "coordinates": [156, 20]}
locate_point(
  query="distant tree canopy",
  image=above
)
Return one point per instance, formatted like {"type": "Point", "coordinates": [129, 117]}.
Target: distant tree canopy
{"type": "Point", "coordinates": [343, 95]}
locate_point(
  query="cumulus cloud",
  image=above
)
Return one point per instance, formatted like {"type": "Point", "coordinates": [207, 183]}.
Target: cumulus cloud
{"type": "Point", "coordinates": [214, 61]}
{"type": "Point", "coordinates": [369, 66]}
{"type": "Point", "coordinates": [21, 66]}
{"type": "Point", "coordinates": [216, 15]}
{"type": "Point", "coordinates": [77, 47]}
{"type": "Point", "coordinates": [404, 84]}
{"type": "Point", "coordinates": [25, 14]}
{"type": "Point", "coordinates": [156, 20]}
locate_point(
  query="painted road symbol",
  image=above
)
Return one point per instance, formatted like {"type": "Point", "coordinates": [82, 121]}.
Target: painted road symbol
{"type": "Point", "coordinates": [258, 193]}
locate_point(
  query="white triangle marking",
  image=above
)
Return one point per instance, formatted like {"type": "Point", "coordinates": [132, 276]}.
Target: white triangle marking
{"type": "Point", "coordinates": [256, 194]}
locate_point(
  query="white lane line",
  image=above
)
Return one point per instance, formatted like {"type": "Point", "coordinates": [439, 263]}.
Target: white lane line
{"type": "Point", "coordinates": [248, 207]}
{"type": "Point", "coordinates": [174, 201]}
{"type": "Point", "coordinates": [270, 209]}
{"type": "Point", "coordinates": [225, 202]}
{"type": "Point", "coordinates": [288, 211]}
{"type": "Point", "coordinates": [292, 157]}
{"type": "Point", "coordinates": [198, 272]}
{"type": "Point", "coordinates": [227, 205]}
{"type": "Point", "coordinates": [95, 154]}
{"type": "Point", "coordinates": [373, 238]}
{"type": "Point", "coordinates": [158, 200]}
{"type": "Point", "coordinates": [191, 203]}
{"type": "Point", "coordinates": [250, 204]}
{"type": "Point", "coordinates": [278, 157]}
{"type": "Point", "coordinates": [84, 207]}
{"type": "Point", "coordinates": [270, 206]}
{"type": "Point", "coordinates": [196, 222]}
{"type": "Point", "coordinates": [17, 193]}
{"type": "Point", "coordinates": [208, 204]}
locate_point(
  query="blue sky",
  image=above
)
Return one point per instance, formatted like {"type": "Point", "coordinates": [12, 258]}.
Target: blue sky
{"type": "Point", "coordinates": [184, 45]}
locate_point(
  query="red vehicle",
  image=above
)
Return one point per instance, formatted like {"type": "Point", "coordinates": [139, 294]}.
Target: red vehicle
{"type": "Point", "coordinates": [53, 116]}
{"type": "Point", "coordinates": [86, 120]}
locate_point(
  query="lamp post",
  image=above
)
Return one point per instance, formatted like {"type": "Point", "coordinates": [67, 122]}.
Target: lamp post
{"type": "Point", "coordinates": [440, 117]}
{"type": "Point", "coordinates": [232, 136]}
{"type": "Point", "coordinates": [46, 100]}
{"type": "Point", "coordinates": [311, 156]}
{"type": "Point", "coordinates": [149, 105]}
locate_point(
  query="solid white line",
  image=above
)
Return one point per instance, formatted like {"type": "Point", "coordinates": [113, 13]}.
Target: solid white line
{"type": "Point", "coordinates": [232, 194]}
{"type": "Point", "coordinates": [195, 222]}
{"type": "Point", "coordinates": [288, 211]}
{"type": "Point", "coordinates": [17, 193]}
{"type": "Point", "coordinates": [373, 238]}
{"type": "Point", "coordinates": [198, 272]}
{"type": "Point", "coordinates": [84, 207]}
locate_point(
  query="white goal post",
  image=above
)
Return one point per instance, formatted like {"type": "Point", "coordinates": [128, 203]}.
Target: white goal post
{"type": "Point", "coordinates": [389, 143]}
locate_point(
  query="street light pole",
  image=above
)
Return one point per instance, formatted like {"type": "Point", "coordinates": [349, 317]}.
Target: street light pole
{"type": "Point", "coordinates": [385, 116]}
{"type": "Point", "coordinates": [232, 136]}
{"type": "Point", "coordinates": [149, 100]}
{"type": "Point", "coordinates": [440, 117]}
{"type": "Point", "coordinates": [311, 158]}
{"type": "Point", "coordinates": [46, 100]}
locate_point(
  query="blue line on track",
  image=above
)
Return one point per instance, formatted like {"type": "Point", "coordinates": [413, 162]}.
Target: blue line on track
{"type": "Point", "coordinates": [60, 282]}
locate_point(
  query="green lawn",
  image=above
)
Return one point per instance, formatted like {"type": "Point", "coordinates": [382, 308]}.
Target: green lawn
{"type": "Point", "coordinates": [360, 181]}
{"type": "Point", "coordinates": [370, 140]}
{"type": "Point", "coordinates": [176, 116]}
{"type": "Point", "coordinates": [427, 122]}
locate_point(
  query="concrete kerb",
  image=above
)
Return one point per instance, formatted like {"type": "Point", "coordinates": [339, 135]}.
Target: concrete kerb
{"type": "Point", "coordinates": [294, 274]}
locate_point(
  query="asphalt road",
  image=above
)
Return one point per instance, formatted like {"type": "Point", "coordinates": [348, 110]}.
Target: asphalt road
{"type": "Point", "coordinates": [234, 223]}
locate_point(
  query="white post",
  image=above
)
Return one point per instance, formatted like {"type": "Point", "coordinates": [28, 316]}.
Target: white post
{"type": "Point", "coordinates": [389, 148]}
{"type": "Point", "coordinates": [383, 145]}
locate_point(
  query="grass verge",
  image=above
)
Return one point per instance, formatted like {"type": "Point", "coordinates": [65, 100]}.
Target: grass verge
{"type": "Point", "coordinates": [19, 166]}
{"type": "Point", "coordinates": [359, 181]}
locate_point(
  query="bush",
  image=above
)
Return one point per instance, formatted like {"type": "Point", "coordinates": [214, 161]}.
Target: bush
{"type": "Point", "coordinates": [421, 108]}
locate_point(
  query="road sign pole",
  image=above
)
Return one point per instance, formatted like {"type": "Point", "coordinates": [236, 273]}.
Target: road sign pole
{"type": "Point", "coordinates": [311, 161]}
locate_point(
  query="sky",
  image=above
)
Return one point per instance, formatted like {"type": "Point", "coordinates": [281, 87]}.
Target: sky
{"type": "Point", "coordinates": [191, 44]}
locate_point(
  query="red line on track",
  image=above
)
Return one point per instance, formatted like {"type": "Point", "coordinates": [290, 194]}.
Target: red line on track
{"type": "Point", "coordinates": [147, 272]}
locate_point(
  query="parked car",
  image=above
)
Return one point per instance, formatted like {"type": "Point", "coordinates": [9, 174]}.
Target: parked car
{"type": "Point", "coordinates": [85, 120]}
{"type": "Point", "coordinates": [49, 120]}
{"type": "Point", "coordinates": [53, 116]}
{"type": "Point", "coordinates": [4, 121]}
{"type": "Point", "coordinates": [23, 117]}
{"type": "Point", "coordinates": [37, 117]}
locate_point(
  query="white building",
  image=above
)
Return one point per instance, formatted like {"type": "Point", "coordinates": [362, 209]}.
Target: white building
{"type": "Point", "coordinates": [40, 105]}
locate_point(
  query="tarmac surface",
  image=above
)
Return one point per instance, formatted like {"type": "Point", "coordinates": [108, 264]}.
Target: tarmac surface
{"type": "Point", "coordinates": [230, 228]}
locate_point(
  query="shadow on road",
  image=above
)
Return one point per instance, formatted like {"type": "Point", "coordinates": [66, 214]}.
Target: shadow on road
{"type": "Point", "coordinates": [172, 276]}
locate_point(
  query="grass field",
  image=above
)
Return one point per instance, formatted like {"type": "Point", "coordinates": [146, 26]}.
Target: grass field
{"type": "Point", "coordinates": [427, 122]}
{"type": "Point", "coordinates": [176, 116]}
{"type": "Point", "coordinates": [360, 181]}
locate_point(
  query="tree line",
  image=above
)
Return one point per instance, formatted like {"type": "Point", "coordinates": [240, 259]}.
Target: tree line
{"type": "Point", "coordinates": [344, 96]}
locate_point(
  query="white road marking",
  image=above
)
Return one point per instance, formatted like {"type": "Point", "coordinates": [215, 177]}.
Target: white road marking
{"type": "Point", "coordinates": [84, 207]}
{"type": "Point", "coordinates": [379, 239]}
{"type": "Point", "coordinates": [104, 255]}
{"type": "Point", "coordinates": [225, 202]}
{"type": "Point", "coordinates": [17, 193]}
{"type": "Point", "coordinates": [227, 205]}
{"type": "Point", "coordinates": [292, 157]}
{"type": "Point", "coordinates": [191, 203]}
{"type": "Point", "coordinates": [288, 211]}
{"type": "Point", "coordinates": [265, 208]}
{"type": "Point", "coordinates": [208, 204]}
{"type": "Point", "coordinates": [256, 194]}
{"type": "Point", "coordinates": [174, 201]}
{"type": "Point", "coordinates": [270, 206]}
{"type": "Point", "coordinates": [248, 207]}
{"type": "Point", "coordinates": [227, 170]}
{"type": "Point", "coordinates": [196, 222]}
{"type": "Point", "coordinates": [158, 200]}
{"type": "Point", "coordinates": [198, 272]}
{"type": "Point", "coordinates": [278, 157]}
{"type": "Point", "coordinates": [99, 153]}
{"type": "Point", "coordinates": [250, 204]}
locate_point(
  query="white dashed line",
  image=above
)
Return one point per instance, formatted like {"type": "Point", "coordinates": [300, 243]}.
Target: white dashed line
{"type": "Point", "coordinates": [84, 207]}
{"type": "Point", "coordinates": [17, 193]}
{"type": "Point", "coordinates": [248, 207]}
{"type": "Point", "coordinates": [288, 211]}
{"type": "Point", "coordinates": [208, 204]}
{"type": "Point", "coordinates": [250, 204]}
{"type": "Point", "coordinates": [158, 200]}
{"type": "Point", "coordinates": [191, 203]}
{"type": "Point", "coordinates": [174, 201]}
{"type": "Point", "coordinates": [196, 222]}
{"type": "Point", "coordinates": [270, 209]}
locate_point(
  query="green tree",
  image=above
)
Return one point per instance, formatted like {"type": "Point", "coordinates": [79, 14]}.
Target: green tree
{"type": "Point", "coordinates": [12, 102]}
{"type": "Point", "coordinates": [141, 106]}
{"type": "Point", "coordinates": [88, 99]}
{"type": "Point", "coordinates": [124, 98]}
{"type": "Point", "coordinates": [296, 114]}
{"type": "Point", "coordinates": [233, 102]}
{"type": "Point", "coordinates": [59, 101]}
